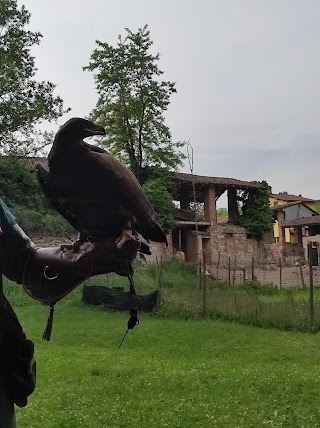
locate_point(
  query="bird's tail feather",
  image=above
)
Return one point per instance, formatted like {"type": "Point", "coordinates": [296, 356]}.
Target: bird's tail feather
{"type": "Point", "coordinates": [157, 234]}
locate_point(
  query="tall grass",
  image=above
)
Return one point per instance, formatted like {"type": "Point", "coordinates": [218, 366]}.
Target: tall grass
{"type": "Point", "coordinates": [254, 303]}
{"type": "Point", "coordinates": [251, 303]}
{"type": "Point", "coordinates": [287, 313]}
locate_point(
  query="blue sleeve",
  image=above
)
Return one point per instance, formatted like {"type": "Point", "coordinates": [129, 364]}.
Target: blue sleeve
{"type": "Point", "coordinates": [7, 220]}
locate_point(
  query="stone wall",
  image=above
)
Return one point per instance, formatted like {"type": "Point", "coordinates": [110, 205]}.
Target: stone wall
{"type": "Point", "coordinates": [227, 240]}
{"type": "Point", "coordinates": [160, 251]}
{"type": "Point", "coordinates": [288, 254]}
{"type": "Point", "coordinates": [218, 242]}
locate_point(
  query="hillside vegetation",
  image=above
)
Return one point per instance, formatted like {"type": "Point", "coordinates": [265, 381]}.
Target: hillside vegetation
{"type": "Point", "coordinates": [21, 192]}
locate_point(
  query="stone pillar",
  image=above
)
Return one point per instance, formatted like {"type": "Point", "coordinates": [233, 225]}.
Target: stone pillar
{"type": "Point", "coordinates": [170, 244]}
{"type": "Point", "coordinates": [191, 248]}
{"type": "Point", "coordinates": [210, 210]}
{"type": "Point", "coordinates": [232, 205]}
{"type": "Point", "coordinates": [282, 235]}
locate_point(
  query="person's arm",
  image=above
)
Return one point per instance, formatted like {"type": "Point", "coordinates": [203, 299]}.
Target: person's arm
{"type": "Point", "coordinates": [7, 414]}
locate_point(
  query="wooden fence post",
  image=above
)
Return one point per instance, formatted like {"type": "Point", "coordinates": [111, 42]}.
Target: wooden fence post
{"type": "Point", "coordinates": [218, 265]}
{"type": "Point", "coordinates": [252, 269]}
{"type": "Point", "coordinates": [229, 270]}
{"type": "Point", "coordinates": [204, 287]}
{"type": "Point", "coordinates": [301, 274]}
{"type": "Point", "coordinates": [280, 273]}
{"type": "Point", "coordinates": [158, 273]}
{"type": "Point", "coordinates": [311, 287]}
{"type": "Point", "coordinates": [236, 303]}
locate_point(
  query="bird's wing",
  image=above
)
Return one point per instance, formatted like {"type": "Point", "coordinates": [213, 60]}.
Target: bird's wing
{"type": "Point", "coordinates": [62, 204]}
{"type": "Point", "coordinates": [93, 148]}
{"type": "Point", "coordinates": [112, 173]}
{"type": "Point", "coordinates": [53, 194]}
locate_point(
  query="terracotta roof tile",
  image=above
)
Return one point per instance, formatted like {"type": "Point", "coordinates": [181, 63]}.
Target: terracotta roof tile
{"type": "Point", "coordinates": [290, 204]}
{"type": "Point", "coordinates": [201, 179]}
{"type": "Point", "coordinates": [291, 198]}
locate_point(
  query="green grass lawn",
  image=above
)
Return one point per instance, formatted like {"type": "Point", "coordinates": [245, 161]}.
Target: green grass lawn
{"type": "Point", "coordinates": [168, 373]}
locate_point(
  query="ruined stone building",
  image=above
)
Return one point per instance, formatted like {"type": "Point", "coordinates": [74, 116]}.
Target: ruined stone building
{"type": "Point", "coordinates": [217, 239]}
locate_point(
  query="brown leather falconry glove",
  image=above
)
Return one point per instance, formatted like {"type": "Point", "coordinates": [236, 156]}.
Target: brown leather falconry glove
{"type": "Point", "coordinates": [49, 274]}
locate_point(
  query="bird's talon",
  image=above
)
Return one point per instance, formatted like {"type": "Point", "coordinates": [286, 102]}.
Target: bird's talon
{"type": "Point", "coordinates": [65, 247]}
{"type": "Point", "coordinates": [75, 246]}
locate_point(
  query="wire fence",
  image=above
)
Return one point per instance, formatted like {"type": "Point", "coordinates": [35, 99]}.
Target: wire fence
{"type": "Point", "coordinates": [279, 276]}
{"type": "Point", "coordinates": [267, 295]}
{"type": "Point", "coordinates": [287, 312]}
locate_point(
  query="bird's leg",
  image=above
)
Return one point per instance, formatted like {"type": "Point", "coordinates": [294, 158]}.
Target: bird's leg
{"type": "Point", "coordinates": [126, 235]}
{"type": "Point", "coordinates": [75, 246]}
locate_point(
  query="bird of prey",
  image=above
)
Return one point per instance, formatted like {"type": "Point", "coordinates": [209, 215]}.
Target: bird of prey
{"type": "Point", "coordinates": [98, 195]}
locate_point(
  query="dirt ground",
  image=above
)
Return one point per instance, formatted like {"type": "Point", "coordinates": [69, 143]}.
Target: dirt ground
{"type": "Point", "coordinates": [286, 277]}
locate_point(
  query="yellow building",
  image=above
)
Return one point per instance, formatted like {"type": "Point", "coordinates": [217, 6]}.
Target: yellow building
{"type": "Point", "coordinates": [286, 199]}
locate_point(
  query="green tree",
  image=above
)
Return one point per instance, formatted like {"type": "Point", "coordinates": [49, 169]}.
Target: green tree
{"type": "Point", "coordinates": [157, 192]}
{"type": "Point", "coordinates": [255, 210]}
{"type": "Point", "coordinates": [23, 101]}
{"type": "Point", "coordinates": [159, 187]}
{"type": "Point", "coordinates": [222, 212]}
{"type": "Point", "coordinates": [132, 101]}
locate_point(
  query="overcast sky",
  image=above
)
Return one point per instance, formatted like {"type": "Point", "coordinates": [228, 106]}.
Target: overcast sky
{"type": "Point", "coordinates": [247, 74]}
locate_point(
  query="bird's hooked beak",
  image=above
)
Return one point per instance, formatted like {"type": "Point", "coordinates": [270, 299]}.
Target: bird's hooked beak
{"type": "Point", "coordinates": [94, 129]}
